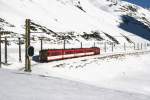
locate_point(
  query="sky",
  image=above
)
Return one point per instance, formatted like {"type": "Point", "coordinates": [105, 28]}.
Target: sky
{"type": "Point", "coordinates": [143, 3]}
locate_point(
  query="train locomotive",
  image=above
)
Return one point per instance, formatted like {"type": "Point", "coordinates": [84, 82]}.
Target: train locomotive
{"type": "Point", "coordinates": [60, 54]}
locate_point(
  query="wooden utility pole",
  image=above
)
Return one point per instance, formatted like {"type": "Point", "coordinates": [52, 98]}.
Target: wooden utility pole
{"type": "Point", "coordinates": [94, 44]}
{"type": "Point", "coordinates": [0, 53]}
{"type": "Point", "coordinates": [145, 46]}
{"type": "Point", "coordinates": [141, 46]}
{"type": "Point", "coordinates": [81, 44]}
{"type": "Point", "coordinates": [138, 46]}
{"type": "Point", "coordinates": [41, 44]}
{"type": "Point", "coordinates": [112, 48]}
{"type": "Point", "coordinates": [105, 47]}
{"type": "Point", "coordinates": [19, 49]}
{"type": "Point", "coordinates": [5, 50]}
{"type": "Point", "coordinates": [64, 43]}
{"type": "Point", "coordinates": [124, 46]}
{"type": "Point", "coordinates": [134, 46]}
{"type": "Point", "coordinates": [27, 44]}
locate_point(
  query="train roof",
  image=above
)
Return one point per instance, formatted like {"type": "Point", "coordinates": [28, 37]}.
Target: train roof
{"type": "Point", "coordinates": [69, 49]}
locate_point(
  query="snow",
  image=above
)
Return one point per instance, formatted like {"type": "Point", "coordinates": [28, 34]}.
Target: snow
{"type": "Point", "coordinates": [24, 86]}
{"type": "Point", "coordinates": [121, 72]}
{"type": "Point", "coordinates": [116, 74]}
{"type": "Point", "coordinates": [112, 74]}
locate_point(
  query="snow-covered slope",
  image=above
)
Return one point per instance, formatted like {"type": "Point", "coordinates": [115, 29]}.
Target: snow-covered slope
{"type": "Point", "coordinates": [115, 18]}
{"type": "Point", "coordinates": [143, 3]}
{"type": "Point", "coordinates": [124, 72]}
{"type": "Point", "coordinates": [78, 20]}
{"type": "Point", "coordinates": [22, 86]}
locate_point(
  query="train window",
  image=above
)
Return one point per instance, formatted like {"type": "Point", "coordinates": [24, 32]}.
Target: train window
{"type": "Point", "coordinates": [55, 53]}
{"type": "Point", "coordinates": [80, 51]}
{"type": "Point", "coordinates": [89, 50]}
{"type": "Point", "coordinates": [69, 52]}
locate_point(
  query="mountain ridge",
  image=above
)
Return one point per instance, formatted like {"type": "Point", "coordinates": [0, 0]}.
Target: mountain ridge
{"type": "Point", "coordinates": [76, 16]}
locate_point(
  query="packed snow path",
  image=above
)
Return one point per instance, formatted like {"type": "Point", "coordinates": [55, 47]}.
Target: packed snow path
{"type": "Point", "coordinates": [24, 86]}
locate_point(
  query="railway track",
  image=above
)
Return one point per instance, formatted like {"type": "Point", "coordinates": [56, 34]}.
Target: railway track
{"type": "Point", "coordinates": [84, 59]}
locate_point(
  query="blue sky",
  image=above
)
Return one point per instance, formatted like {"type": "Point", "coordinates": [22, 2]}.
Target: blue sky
{"type": "Point", "coordinates": [143, 3]}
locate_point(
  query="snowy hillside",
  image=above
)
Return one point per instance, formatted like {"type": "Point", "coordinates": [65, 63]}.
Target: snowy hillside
{"type": "Point", "coordinates": [143, 3]}
{"type": "Point", "coordinates": [120, 29]}
{"type": "Point", "coordinates": [80, 17]}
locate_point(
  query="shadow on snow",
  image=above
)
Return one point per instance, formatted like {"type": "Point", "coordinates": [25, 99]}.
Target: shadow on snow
{"type": "Point", "coordinates": [136, 27]}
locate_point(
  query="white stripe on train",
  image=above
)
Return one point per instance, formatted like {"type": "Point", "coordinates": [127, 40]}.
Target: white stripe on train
{"type": "Point", "coordinates": [69, 56]}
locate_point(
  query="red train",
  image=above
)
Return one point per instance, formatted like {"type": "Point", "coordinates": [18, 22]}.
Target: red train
{"type": "Point", "coordinates": [60, 54]}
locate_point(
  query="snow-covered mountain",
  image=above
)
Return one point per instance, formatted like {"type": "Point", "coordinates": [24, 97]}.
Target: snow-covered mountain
{"type": "Point", "coordinates": [112, 20]}
{"type": "Point", "coordinates": [143, 3]}
{"type": "Point", "coordinates": [122, 67]}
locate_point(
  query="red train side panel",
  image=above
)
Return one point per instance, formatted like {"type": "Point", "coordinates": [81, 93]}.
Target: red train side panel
{"type": "Point", "coordinates": [58, 54]}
